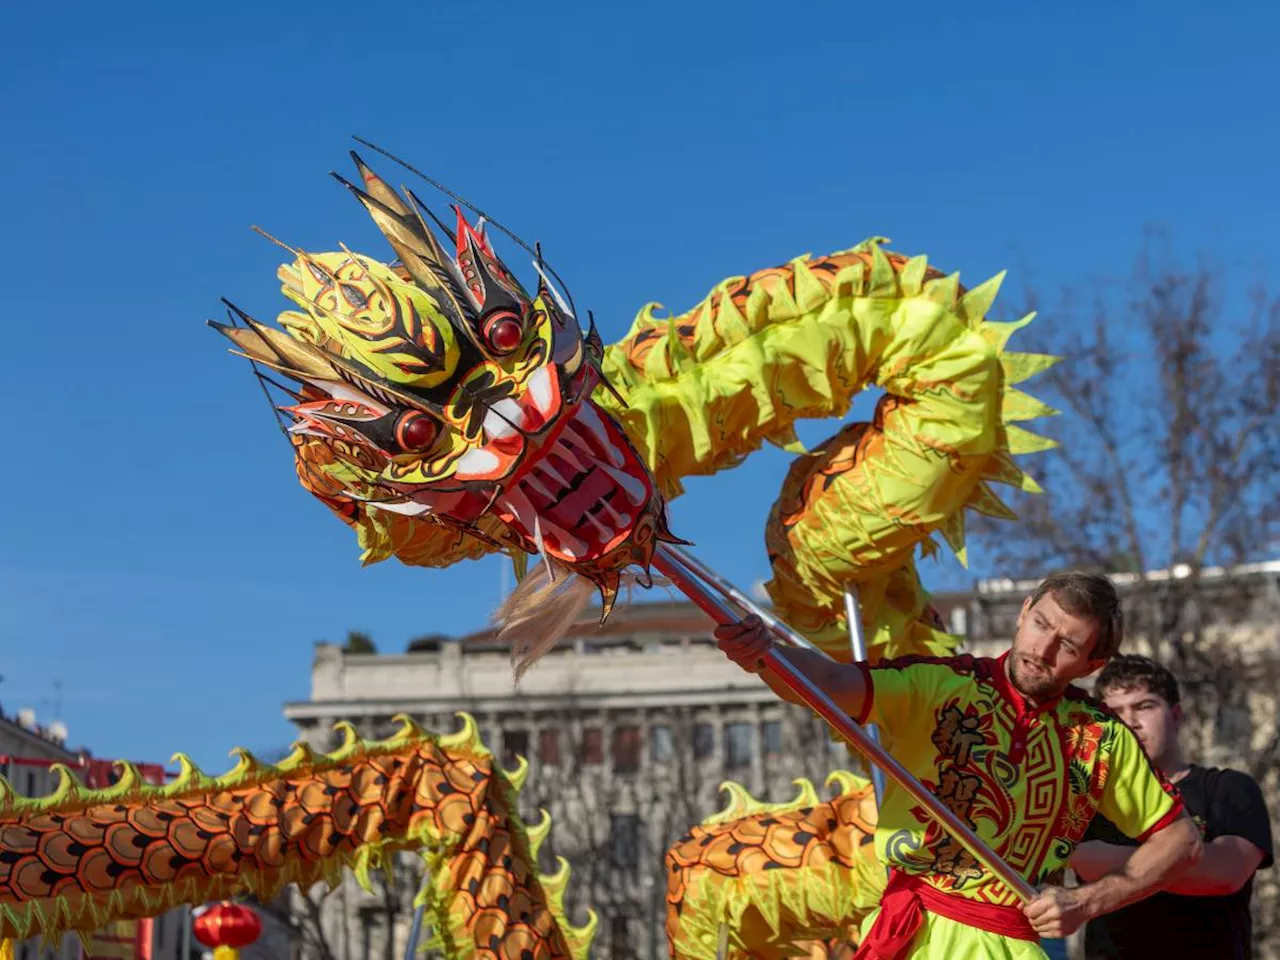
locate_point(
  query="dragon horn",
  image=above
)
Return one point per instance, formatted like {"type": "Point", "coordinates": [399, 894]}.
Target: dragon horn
{"type": "Point", "coordinates": [377, 188]}
{"type": "Point", "coordinates": [418, 249]}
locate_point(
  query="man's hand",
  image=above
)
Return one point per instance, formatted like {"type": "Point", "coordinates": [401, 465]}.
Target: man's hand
{"type": "Point", "coordinates": [745, 642]}
{"type": "Point", "coordinates": [1057, 912]}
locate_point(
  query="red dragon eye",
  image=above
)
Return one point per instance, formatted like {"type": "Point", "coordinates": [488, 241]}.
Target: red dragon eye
{"type": "Point", "coordinates": [503, 332]}
{"type": "Point", "coordinates": [416, 431]}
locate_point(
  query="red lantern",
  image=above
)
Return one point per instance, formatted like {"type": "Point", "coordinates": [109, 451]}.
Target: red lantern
{"type": "Point", "coordinates": [227, 927]}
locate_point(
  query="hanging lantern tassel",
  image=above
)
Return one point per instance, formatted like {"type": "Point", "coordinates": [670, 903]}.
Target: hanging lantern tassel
{"type": "Point", "coordinates": [227, 927]}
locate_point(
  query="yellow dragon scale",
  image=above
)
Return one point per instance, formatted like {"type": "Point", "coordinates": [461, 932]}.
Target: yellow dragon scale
{"type": "Point", "coordinates": [79, 858]}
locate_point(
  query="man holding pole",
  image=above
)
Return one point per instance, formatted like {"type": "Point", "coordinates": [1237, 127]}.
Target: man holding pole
{"type": "Point", "coordinates": [1023, 758]}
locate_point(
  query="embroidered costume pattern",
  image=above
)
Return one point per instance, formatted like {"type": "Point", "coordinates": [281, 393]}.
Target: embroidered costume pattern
{"type": "Point", "coordinates": [1027, 780]}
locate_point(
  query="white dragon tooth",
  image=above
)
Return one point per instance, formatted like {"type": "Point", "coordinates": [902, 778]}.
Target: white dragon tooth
{"type": "Point", "coordinates": [516, 501]}
{"type": "Point", "coordinates": [587, 417]}
{"type": "Point", "coordinates": [570, 545]}
{"type": "Point", "coordinates": [540, 390]}
{"type": "Point", "coordinates": [551, 472]}
{"type": "Point", "coordinates": [619, 519]}
{"type": "Point", "coordinates": [533, 481]}
{"type": "Point", "coordinates": [502, 419]}
{"type": "Point", "coordinates": [633, 488]}
{"type": "Point", "coordinates": [477, 460]}
{"type": "Point", "coordinates": [566, 453]}
{"type": "Point", "coordinates": [537, 535]}
{"type": "Point", "coordinates": [602, 528]}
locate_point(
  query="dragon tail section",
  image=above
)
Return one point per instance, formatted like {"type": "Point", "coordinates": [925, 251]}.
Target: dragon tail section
{"type": "Point", "coordinates": [79, 859]}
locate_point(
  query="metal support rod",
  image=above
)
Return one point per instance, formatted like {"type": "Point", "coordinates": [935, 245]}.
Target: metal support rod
{"type": "Point", "coordinates": [186, 933]}
{"type": "Point", "coordinates": [728, 590]}
{"type": "Point", "coordinates": [419, 915]}
{"type": "Point", "coordinates": [858, 649]}
{"type": "Point", "coordinates": [688, 583]}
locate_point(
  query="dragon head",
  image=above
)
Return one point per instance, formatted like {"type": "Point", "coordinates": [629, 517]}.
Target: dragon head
{"type": "Point", "coordinates": [441, 389]}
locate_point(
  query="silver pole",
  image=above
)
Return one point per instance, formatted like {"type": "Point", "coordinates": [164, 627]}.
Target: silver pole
{"type": "Point", "coordinates": [730, 592]}
{"type": "Point", "coordinates": [186, 933]}
{"type": "Point", "coordinates": [419, 914]}
{"type": "Point", "coordinates": [858, 647]}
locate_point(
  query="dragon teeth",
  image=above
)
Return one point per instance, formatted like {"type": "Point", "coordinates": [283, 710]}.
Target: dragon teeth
{"type": "Point", "coordinates": [618, 519]}
{"type": "Point", "coordinates": [565, 452]}
{"type": "Point", "coordinates": [551, 472]}
{"type": "Point", "coordinates": [587, 417]}
{"type": "Point", "coordinates": [569, 545]}
{"type": "Point", "coordinates": [520, 507]}
{"type": "Point", "coordinates": [533, 482]}
{"type": "Point", "coordinates": [633, 488]}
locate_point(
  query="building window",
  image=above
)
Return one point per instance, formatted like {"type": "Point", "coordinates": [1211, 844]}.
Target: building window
{"type": "Point", "coordinates": [549, 747]}
{"type": "Point", "coordinates": [662, 744]}
{"type": "Point", "coordinates": [620, 945]}
{"type": "Point", "coordinates": [515, 744]}
{"type": "Point", "coordinates": [704, 741]}
{"type": "Point", "coordinates": [737, 746]}
{"type": "Point", "coordinates": [626, 749]}
{"type": "Point", "coordinates": [624, 840]}
{"type": "Point", "coordinates": [593, 745]}
{"type": "Point", "coordinates": [772, 731]}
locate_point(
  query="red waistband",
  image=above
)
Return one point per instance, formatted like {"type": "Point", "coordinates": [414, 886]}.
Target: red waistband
{"type": "Point", "coordinates": [906, 900]}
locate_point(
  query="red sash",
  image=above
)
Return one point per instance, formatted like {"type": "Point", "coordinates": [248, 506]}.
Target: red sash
{"type": "Point", "coordinates": [902, 910]}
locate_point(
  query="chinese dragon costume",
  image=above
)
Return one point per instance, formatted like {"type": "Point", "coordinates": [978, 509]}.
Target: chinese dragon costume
{"type": "Point", "coordinates": [444, 412]}
{"type": "Point", "coordinates": [80, 858]}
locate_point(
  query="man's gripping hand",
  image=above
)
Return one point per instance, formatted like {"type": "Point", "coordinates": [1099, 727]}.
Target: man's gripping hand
{"type": "Point", "coordinates": [1056, 912]}
{"type": "Point", "coordinates": [745, 642]}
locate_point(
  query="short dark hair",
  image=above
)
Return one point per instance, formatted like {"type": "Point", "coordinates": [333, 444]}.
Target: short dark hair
{"type": "Point", "coordinates": [1088, 595]}
{"type": "Point", "coordinates": [1130, 672]}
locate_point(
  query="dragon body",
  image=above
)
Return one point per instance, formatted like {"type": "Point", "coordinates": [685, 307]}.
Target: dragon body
{"type": "Point", "coordinates": [445, 412]}
{"type": "Point", "coordinates": [777, 875]}
{"type": "Point", "coordinates": [80, 859]}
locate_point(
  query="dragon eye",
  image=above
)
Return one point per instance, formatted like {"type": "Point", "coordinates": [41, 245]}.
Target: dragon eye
{"type": "Point", "coordinates": [503, 331]}
{"type": "Point", "coordinates": [416, 431]}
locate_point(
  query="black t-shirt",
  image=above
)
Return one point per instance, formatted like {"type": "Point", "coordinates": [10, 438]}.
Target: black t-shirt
{"type": "Point", "coordinates": [1223, 803]}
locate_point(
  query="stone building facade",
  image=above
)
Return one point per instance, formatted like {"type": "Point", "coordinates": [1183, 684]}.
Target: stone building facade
{"type": "Point", "coordinates": [629, 730]}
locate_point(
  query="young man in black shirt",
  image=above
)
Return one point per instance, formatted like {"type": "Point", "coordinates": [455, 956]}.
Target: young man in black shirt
{"type": "Point", "coordinates": [1204, 913]}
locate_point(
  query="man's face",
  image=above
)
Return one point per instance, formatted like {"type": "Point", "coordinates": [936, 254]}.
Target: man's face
{"type": "Point", "coordinates": [1149, 716]}
{"type": "Point", "coordinates": [1051, 649]}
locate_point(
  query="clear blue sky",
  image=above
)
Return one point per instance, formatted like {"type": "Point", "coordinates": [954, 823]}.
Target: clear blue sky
{"type": "Point", "coordinates": [156, 554]}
